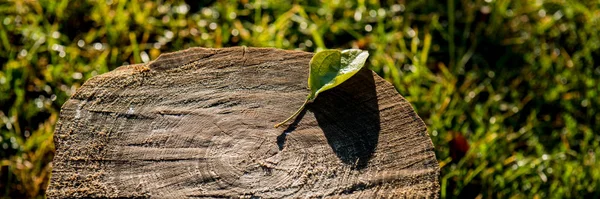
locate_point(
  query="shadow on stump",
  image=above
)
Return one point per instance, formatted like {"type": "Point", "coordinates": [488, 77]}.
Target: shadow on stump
{"type": "Point", "coordinates": [349, 117]}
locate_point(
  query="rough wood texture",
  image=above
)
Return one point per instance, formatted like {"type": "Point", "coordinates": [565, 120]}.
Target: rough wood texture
{"type": "Point", "coordinates": [199, 124]}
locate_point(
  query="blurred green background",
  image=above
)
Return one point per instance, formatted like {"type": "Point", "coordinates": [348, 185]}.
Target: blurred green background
{"type": "Point", "coordinates": [508, 89]}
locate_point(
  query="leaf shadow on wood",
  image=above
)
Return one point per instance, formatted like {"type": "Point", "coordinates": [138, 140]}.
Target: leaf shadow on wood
{"type": "Point", "coordinates": [349, 116]}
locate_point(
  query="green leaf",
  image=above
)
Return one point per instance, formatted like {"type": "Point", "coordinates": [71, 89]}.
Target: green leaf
{"type": "Point", "coordinates": [328, 69]}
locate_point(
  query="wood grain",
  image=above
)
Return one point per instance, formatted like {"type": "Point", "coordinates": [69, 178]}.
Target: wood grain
{"type": "Point", "coordinates": [199, 124]}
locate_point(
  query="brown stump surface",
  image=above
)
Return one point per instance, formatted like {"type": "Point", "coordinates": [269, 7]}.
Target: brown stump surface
{"type": "Point", "coordinates": [199, 123]}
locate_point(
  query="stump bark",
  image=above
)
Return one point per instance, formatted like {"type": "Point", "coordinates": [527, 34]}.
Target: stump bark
{"type": "Point", "coordinates": [199, 123]}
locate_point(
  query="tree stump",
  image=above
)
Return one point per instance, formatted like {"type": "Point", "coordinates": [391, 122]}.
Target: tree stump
{"type": "Point", "coordinates": [198, 123]}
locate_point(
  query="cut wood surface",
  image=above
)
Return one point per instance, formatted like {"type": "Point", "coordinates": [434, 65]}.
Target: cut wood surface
{"type": "Point", "coordinates": [198, 123]}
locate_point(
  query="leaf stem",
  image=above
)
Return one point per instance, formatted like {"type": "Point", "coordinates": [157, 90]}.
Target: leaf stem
{"type": "Point", "coordinates": [294, 115]}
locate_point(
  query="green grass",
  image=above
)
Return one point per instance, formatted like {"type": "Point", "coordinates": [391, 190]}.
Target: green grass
{"type": "Point", "coordinates": [518, 79]}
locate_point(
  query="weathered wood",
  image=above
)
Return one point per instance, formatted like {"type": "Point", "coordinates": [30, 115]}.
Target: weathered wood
{"type": "Point", "coordinates": [199, 124]}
